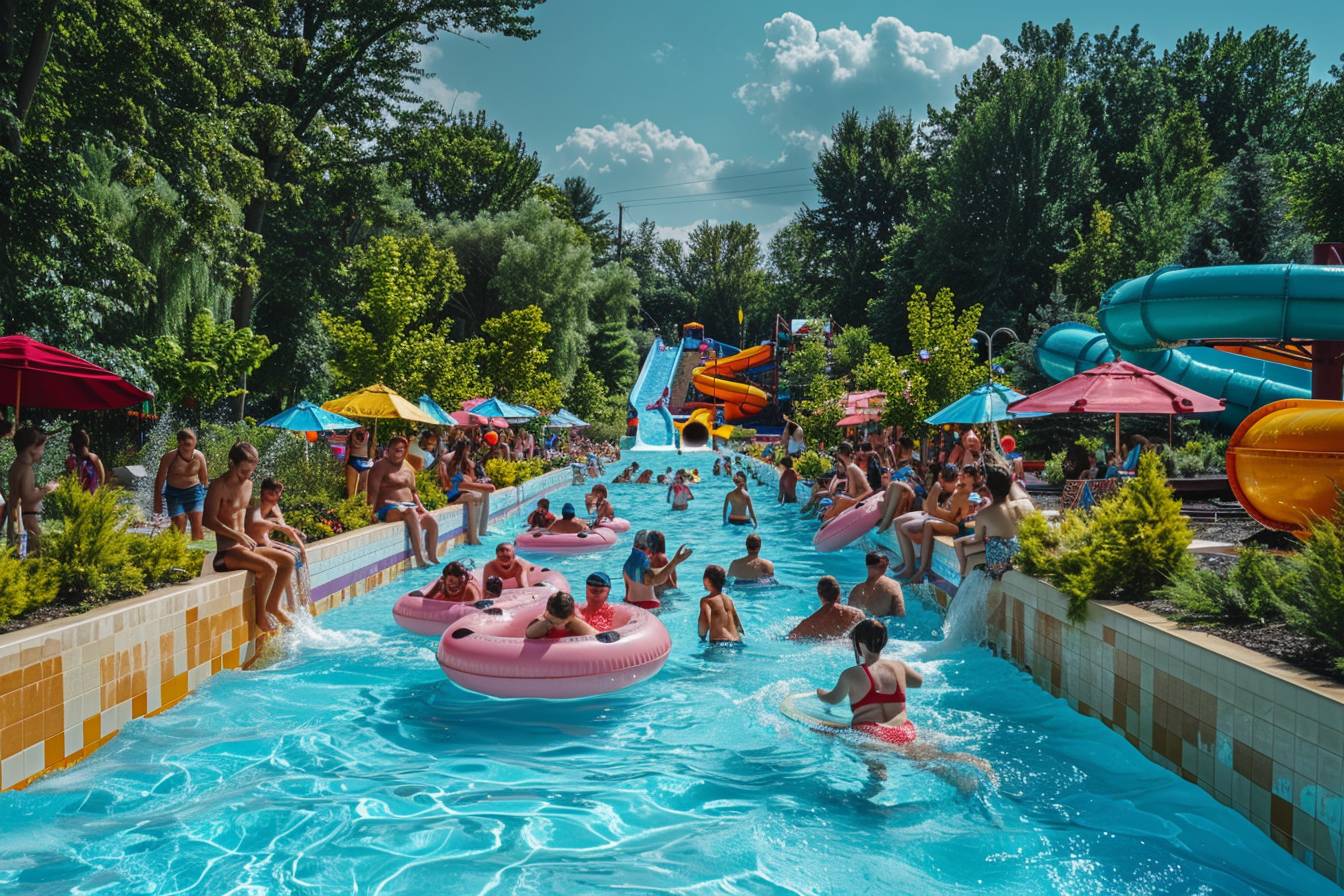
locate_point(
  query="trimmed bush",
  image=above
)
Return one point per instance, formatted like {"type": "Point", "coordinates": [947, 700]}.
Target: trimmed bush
{"type": "Point", "coordinates": [24, 585]}
{"type": "Point", "coordinates": [1251, 592]}
{"type": "Point", "coordinates": [1127, 547]}
{"type": "Point", "coordinates": [1314, 604]}
{"type": "Point", "coordinates": [812, 465]}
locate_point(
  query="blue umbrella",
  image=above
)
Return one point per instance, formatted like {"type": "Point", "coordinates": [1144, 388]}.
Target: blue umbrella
{"type": "Point", "coordinates": [308, 417]}
{"type": "Point", "coordinates": [498, 407]}
{"type": "Point", "coordinates": [434, 412]}
{"type": "Point", "coordinates": [983, 404]}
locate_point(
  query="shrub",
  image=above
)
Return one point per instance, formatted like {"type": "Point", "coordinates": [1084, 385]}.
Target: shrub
{"type": "Point", "coordinates": [1198, 456]}
{"type": "Point", "coordinates": [504, 473]}
{"type": "Point", "coordinates": [89, 547]}
{"type": "Point", "coordinates": [166, 558]}
{"type": "Point", "coordinates": [1250, 593]}
{"type": "Point", "coordinates": [24, 584]}
{"type": "Point", "coordinates": [1127, 547]}
{"type": "Point", "coordinates": [319, 517]}
{"type": "Point", "coordinates": [431, 495]}
{"type": "Point", "coordinates": [1315, 603]}
{"type": "Point", "coordinates": [811, 465]}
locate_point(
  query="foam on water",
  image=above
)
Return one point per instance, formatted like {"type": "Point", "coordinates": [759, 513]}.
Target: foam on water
{"type": "Point", "coordinates": [347, 762]}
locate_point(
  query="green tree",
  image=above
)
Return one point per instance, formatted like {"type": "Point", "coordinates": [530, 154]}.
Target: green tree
{"type": "Point", "coordinates": [942, 365]}
{"type": "Point", "coordinates": [1248, 220]}
{"type": "Point", "coordinates": [795, 289]}
{"type": "Point", "coordinates": [1096, 262]}
{"type": "Point", "coordinates": [612, 350]}
{"type": "Point", "coordinates": [1316, 192]}
{"type": "Point", "coordinates": [584, 209]}
{"type": "Point", "coordinates": [868, 179]}
{"type": "Point", "coordinates": [663, 301]}
{"type": "Point", "coordinates": [723, 272]}
{"type": "Point", "coordinates": [527, 256]}
{"type": "Point", "coordinates": [1011, 189]}
{"type": "Point", "coordinates": [204, 368]}
{"type": "Point", "coordinates": [398, 335]}
{"type": "Point", "coordinates": [515, 359]}
{"type": "Point", "coordinates": [460, 164]}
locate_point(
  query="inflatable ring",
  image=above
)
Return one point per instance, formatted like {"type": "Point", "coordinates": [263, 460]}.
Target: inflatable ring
{"type": "Point", "coordinates": [849, 524]}
{"type": "Point", "coordinates": [487, 652]}
{"type": "Point", "coordinates": [615, 524]}
{"type": "Point", "coordinates": [428, 616]}
{"type": "Point", "coordinates": [543, 541]}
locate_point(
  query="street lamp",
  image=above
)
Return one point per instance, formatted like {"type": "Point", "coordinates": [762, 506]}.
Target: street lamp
{"type": "Point", "coordinates": [989, 341]}
{"type": "Point", "coordinates": [989, 371]}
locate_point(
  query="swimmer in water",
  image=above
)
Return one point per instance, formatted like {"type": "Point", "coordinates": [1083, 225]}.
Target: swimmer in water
{"type": "Point", "coordinates": [753, 567]}
{"type": "Point", "coordinates": [718, 617]}
{"type": "Point", "coordinates": [507, 566]}
{"type": "Point", "coordinates": [737, 506]}
{"type": "Point", "coordinates": [559, 621]}
{"type": "Point", "coordinates": [875, 688]}
{"type": "Point", "coordinates": [832, 619]}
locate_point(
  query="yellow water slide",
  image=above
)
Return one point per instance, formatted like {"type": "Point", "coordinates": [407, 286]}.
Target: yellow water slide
{"type": "Point", "coordinates": [696, 429]}
{"type": "Point", "coordinates": [1286, 460]}
{"type": "Point", "coordinates": [740, 400]}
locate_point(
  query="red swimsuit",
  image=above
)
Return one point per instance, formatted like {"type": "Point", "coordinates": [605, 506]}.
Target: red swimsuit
{"type": "Point", "coordinates": [903, 733]}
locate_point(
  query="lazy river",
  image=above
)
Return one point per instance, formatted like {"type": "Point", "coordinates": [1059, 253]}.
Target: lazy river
{"type": "Point", "coordinates": [347, 762]}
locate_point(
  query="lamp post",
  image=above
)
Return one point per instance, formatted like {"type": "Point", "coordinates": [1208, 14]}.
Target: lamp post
{"type": "Point", "coordinates": [989, 371]}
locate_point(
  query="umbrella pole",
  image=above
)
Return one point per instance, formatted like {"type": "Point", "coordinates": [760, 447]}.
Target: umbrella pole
{"type": "Point", "coordinates": [18, 396]}
{"type": "Point", "coordinates": [1117, 435]}
{"type": "Point", "coordinates": [1171, 423]}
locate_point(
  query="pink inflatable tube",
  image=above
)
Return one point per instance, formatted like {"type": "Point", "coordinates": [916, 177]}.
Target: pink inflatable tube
{"type": "Point", "coordinates": [616, 524]}
{"type": "Point", "coordinates": [540, 541]}
{"type": "Point", "coordinates": [850, 524]}
{"type": "Point", "coordinates": [427, 616]}
{"type": "Point", "coordinates": [486, 652]}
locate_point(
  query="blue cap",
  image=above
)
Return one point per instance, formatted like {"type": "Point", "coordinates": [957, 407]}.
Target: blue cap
{"type": "Point", "coordinates": [567, 510]}
{"type": "Point", "coordinates": [599, 580]}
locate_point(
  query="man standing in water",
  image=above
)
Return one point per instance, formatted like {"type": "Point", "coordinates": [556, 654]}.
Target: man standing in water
{"type": "Point", "coordinates": [226, 504]}
{"type": "Point", "coordinates": [878, 595]}
{"type": "Point", "coordinates": [181, 482]}
{"type": "Point", "coordinates": [753, 567]}
{"type": "Point", "coordinates": [833, 619]}
{"type": "Point", "coordinates": [393, 497]}
{"type": "Point", "coordinates": [640, 576]}
{"type": "Point", "coordinates": [737, 506]}
{"type": "Point", "coordinates": [25, 495]}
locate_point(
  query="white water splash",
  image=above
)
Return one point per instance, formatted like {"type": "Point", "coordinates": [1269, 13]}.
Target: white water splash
{"type": "Point", "coordinates": [966, 621]}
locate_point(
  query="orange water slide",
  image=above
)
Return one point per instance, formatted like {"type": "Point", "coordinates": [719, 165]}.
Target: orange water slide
{"type": "Point", "coordinates": [740, 400]}
{"type": "Point", "coordinates": [1286, 460]}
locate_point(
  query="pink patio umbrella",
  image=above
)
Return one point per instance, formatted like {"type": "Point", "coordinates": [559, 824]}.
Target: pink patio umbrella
{"type": "Point", "coordinates": [1117, 387]}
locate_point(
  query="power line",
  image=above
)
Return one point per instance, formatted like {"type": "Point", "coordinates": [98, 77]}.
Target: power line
{"type": "Point", "coordinates": [725, 194]}
{"type": "Point", "coordinates": [685, 183]}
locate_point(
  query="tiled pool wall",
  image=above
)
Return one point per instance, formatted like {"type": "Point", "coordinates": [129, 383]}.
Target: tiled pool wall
{"type": "Point", "coordinates": [68, 686]}
{"type": "Point", "coordinates": [1259, 735]}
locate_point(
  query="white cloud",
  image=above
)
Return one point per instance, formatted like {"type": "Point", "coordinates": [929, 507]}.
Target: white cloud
{"type": "Point", "coordinates": [807, 77]}
{"type": "Point", "coordinates": [681, 234]}
{"type": "Point", "coordinates": [431, 88]}
{"type": "Point", "coordinates": [641, 148]}
{"type": "Point", "coordinates": [663, 52]}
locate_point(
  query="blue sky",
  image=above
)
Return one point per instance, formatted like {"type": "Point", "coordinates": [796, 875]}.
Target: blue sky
{"type": "Point", "coordinates": [634, 94]}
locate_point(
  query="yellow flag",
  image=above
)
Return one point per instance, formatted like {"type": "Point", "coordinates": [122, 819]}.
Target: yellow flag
{"type": "Point", "coordinates": [739, 315]}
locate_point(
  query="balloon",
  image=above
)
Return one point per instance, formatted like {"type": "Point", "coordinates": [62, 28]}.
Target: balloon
{"type": "Point", "coordinates": [492, 439]}
{"type": "Point", "coordinates": [310, 436]}
{"type": "Point", "coordinates": [1009, 444]}
{"type": "Point", "coordinates": [632, 422]}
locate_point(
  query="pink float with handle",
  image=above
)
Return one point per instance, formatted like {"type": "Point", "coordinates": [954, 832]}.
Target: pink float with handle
{"type": "Point", "coordinates": [615, 524]}
{"type": "Point", "coordinates": [430, 616]}
{"type": "Point", "coordinates": [543, 541]}
{"type": "Point", "coordinates": [487, 652]}
{"type": "Point", "coordinates": [849, 524]}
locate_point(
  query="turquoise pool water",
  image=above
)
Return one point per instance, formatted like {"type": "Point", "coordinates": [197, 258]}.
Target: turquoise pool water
{"type": "Point", "coordinates": [350, 764]}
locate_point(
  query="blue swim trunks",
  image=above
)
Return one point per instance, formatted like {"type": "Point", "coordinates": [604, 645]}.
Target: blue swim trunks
{"type": "Point", "coordinates": [182, 501]}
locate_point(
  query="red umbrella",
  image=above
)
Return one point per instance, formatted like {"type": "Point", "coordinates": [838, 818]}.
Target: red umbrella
{"type": "Point", "coordinates": [46, 377]}
{"type": "Point", "coordinates": [1118, 387]}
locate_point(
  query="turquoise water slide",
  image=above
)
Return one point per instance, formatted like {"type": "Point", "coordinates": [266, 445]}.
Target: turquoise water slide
{"type": "Point", "coordinates": [1267, 302]}
{"type": "Point", "coordinates": [655, 428]}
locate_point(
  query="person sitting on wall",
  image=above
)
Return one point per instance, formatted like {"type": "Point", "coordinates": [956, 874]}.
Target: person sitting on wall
{"type": "Point", "coordinates": [394, 498]}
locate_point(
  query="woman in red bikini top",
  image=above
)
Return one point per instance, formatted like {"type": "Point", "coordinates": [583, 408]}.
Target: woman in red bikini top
{"type": "Point", "coordinates": [875, 687]}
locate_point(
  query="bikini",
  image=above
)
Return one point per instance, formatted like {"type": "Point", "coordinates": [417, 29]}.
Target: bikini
{"type": "Point", "coordinates": [903, 733]}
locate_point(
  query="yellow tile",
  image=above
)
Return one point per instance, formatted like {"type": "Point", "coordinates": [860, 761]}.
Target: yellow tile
{"type": "Point", "coordinates": [53, 752]}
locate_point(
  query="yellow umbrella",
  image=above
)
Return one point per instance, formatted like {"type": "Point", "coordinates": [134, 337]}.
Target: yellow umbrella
{"type": "Point", "coordinates": [377, 402]}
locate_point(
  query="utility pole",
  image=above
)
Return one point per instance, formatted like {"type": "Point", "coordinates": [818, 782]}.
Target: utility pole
{"type": "Point", "coordinates": [620, 231]}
